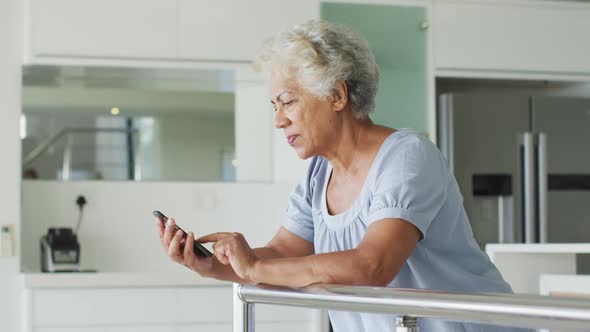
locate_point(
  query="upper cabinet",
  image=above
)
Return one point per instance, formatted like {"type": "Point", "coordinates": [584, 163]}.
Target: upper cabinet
{"type": "Point", "coordinates": [160, 30]}
{"type": "Point", "coordinates": [105, 29]}
{"type": "Point", "coordinates": [486, 37]}
{"type": "Point", "coordinates": [514, 37]}
{"type": "Point", "coordinates": [233, 30]}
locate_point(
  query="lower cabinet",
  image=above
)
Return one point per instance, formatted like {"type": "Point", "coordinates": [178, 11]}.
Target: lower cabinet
{"type": "Point", "coordinates": [227, 327]}
{"type": "Point", "coordinates": [180, 309]}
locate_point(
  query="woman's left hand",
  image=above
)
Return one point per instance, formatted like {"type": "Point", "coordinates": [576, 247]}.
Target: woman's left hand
{"type": "Point", "coordinates": [232, 248]}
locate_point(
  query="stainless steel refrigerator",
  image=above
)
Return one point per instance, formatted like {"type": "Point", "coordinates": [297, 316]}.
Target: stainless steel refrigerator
{"type": "Point", "coordinates": [522, 164]}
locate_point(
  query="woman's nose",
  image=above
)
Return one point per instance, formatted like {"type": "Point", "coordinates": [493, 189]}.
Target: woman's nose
{"type": "Point", "coordinates": [281, 121]}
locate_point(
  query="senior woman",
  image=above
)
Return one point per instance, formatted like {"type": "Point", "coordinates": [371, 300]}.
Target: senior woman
{"type": "Point", "coordinates": [378, 206]}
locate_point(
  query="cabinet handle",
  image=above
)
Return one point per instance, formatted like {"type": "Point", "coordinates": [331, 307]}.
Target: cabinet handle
{"type": "Point", "coordinates": [529, 190]}
{"type": "Point", "coordinates": [542, 186]}
{"type": "Point", "coordinates": [424, 25]}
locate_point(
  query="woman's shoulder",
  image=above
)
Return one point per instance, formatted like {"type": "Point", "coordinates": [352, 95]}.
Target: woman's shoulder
{"type": "Point", "coordinates": [406, 140]}
{"type": "Point", "coordinates": [406, 150]}
{"type": "Point", "coordinates": [316, 171]}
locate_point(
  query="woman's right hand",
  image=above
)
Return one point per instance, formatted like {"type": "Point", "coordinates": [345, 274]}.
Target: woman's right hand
{"type": "Point", "coordinates": [173, 241]}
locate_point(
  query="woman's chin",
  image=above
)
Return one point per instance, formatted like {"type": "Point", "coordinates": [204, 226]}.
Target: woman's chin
{"type": "Point", "coordinates": [302, 153]}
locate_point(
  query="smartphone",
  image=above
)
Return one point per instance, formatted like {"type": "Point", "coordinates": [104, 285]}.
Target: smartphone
{"type": "Point", "coordinates": [198, 248]}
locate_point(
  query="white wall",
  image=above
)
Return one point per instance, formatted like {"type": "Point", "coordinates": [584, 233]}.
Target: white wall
{"type": "Point", "coordinates": [117, 232]}
{"type": "Point", "coordinates": [253, 128]}
{"type": "Point", "coordinates": [10, 301]}
{"type": "Point", "coordinates": [10, 105]}
{"type": "Point", "coordinates": [10, 82]}
{"type": "Point", "coordinates": [287, 166]}
{"type": "Point", "coordinates": [192, 146]}
{"type": "Point", "coordinates": [261, 150]}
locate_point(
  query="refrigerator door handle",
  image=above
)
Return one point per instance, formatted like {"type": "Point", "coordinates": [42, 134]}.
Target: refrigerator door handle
{"type": "Point", "coordinates": [505, 219]}
{"type": "Point", "coordinates": [542, 186]}
{"type": "Point", "coordinates": [445, 136]}
{"type": "Point", "coordinates": [529, 188]}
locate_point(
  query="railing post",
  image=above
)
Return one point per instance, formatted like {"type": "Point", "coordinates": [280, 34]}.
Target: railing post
{"type": "Point", "coordinates": [243, 312]}
{"type": "Point", "coordinates": [406, 324]}
{"type": "Point", "coordinates": [67, 161]}
{"type": "Point", "coordinates": [138, 155]}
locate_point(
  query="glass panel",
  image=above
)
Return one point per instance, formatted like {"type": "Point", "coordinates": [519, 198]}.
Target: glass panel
{"type": "Point", "coordinates": [398, 42]}
{"type": "Point", "coordinates": [128, 123]}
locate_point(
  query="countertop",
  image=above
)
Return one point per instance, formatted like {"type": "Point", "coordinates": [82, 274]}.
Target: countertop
{"type": "Point", "coordinates": [538, 247]}
{"type": "Point", "coordinates": [564, 284]}
{"type": "Point", "coordinates": [117, 280]}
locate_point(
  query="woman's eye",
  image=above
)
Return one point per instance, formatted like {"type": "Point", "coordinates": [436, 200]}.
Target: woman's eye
{"type": "Point", "coordinates": [288, 102]}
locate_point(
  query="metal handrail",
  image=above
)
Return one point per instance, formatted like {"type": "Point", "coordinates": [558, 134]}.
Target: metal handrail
{"type": "Point", "coordinates": [533, 311]}
{"type": "Point", "coordinates": [66, 132]}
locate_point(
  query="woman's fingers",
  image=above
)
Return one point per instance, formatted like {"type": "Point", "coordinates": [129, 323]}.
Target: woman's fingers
{"type": "Point", "coordinates": [214, 237]}
{"type": "Point", "coordinates": [159, 227]}
{"type": "Point", "coordinates": [232, 249]}
{"type": "Point", "coordinates": [189, 255]}
{"type": "Point", "coordinates": [178, 247]}
{"type": "Point", "coordinates": [221, 252]}
{"type": "Point", "coordinates": [169, 232]}
{"type": "Point", "coordinates": [220, 245]}
{"type": "Point", "coordinates": [174, 248]}
{"type": "Point", "coordinates": [224, 243]}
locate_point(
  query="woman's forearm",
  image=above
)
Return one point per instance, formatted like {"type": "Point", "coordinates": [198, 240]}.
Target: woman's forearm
{"type": "Point", "coordinates": [225, 272]}
{"type": "Point", "coordinates": [344, 267]}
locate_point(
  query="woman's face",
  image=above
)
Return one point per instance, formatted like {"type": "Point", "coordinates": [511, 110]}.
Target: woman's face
{"type": "Point", "coordinates": [306, 120]}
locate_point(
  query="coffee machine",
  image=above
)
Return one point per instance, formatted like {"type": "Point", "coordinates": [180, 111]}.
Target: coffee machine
{"type": "Point", "coordinates": [60, 251]}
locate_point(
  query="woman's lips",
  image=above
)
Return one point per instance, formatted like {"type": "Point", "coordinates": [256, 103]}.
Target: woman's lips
{"type": "Point", "coordinates": [291, 139]}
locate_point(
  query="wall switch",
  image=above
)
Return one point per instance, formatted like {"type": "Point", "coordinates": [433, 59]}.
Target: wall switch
{"type": "Point", "coordinates": [6, 240]}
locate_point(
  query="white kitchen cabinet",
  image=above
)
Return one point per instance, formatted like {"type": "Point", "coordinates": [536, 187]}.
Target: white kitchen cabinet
{"type": "Point", "coordinates": [129, 306]}
{"type": "Point", "coordinates": [150, 309]}
{"type": "Point", "coordinates": [156, 30]}
{"type": "Point", "coordinates": [9, 293]}
{"type": "Point", "coordinates": [124, 29]}
{"type": "Point", "coordinates": [233, 30]}
{"type": "Point", "coordinates": [569, 285]}
{"type": "Point", "coordinates": [511, 36]}
{"type": "Point", "coordinates": [522, 264]}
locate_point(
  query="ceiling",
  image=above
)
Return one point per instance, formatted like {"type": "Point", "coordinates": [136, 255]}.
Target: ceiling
{"type": "Point", "coordinates": [162, 79]}
{"type": "Point", "coordinates": [135, 91]}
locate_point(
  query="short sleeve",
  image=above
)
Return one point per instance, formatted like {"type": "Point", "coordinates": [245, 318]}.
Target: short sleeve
{"type": "Point", "coordinates": [298, 217]}
{"type": "Point", "coordinates": [412, 185]}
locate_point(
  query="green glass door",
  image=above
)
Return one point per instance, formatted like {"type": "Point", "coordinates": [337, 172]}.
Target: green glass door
{"type": "Point", "coordinates": [399, 42]}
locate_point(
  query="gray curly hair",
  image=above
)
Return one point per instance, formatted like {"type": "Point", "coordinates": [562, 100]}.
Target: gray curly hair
{"type": "Point", "coordinates": [318, 54]}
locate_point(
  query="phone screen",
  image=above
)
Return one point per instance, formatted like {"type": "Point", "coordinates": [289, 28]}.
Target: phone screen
{"type": "Point", "coordinates": [198, 248]}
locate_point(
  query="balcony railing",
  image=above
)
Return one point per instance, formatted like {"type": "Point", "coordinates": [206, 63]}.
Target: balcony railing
{"type": "Point", "coordinates": [69, 133]}
{"type": "Point", "coordinates": [533, 311]}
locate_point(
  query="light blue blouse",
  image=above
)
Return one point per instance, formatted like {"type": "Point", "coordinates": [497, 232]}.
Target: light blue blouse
{"type": "Point", "coordinates": [408, 179]}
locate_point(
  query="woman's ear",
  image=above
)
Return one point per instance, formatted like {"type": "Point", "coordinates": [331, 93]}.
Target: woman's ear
{"type": "Point", "coordinates": [340, 96]}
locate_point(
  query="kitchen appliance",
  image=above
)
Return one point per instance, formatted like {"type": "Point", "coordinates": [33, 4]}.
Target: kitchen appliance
{"type": "Point", "coordinates": [522, 164]}
{"type": "Point", "coordinates": [60, 251]}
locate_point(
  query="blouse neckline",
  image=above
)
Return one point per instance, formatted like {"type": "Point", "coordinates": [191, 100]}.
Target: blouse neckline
{"type": "Point", "coordinates": [344, 218]}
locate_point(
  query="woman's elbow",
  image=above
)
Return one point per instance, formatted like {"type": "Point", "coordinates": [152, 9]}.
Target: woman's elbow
{"type": "Point", "coordinates": [377, 274]}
